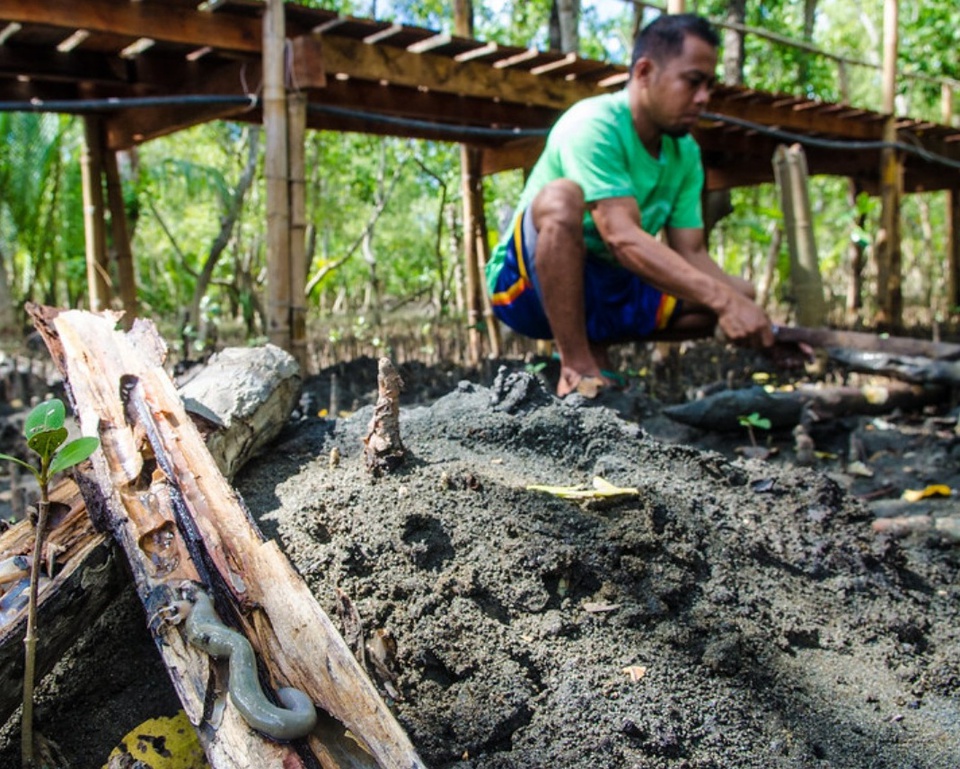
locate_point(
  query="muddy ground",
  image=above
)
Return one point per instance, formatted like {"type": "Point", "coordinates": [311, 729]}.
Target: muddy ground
{"type": "Point", "coordinates": [730, 613]}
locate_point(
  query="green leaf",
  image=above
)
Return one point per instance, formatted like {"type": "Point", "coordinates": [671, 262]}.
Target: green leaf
{"type": "Point", "coordinates": [20, 462]}
{"type": "Point", "coordinates": [47, 442]}
{"type": "Point", "coordinates": [73, 453]}
{"type": "Point", "coordinates": [44, 417]}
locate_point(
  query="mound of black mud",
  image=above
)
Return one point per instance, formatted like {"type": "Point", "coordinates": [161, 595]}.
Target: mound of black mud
{"type": "Point", "coordinates": [731, 614]}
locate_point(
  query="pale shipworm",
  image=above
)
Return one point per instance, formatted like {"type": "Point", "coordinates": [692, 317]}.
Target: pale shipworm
{"type": "Point", "coordinates": [206, 631]}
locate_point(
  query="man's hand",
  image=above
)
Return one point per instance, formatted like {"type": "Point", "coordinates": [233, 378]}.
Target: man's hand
{"type": "Point", "coordinates": [742, 322]}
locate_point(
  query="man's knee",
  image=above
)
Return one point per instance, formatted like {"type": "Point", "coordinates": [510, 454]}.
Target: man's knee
{"type": "Point", "coordinates": [559, 202]}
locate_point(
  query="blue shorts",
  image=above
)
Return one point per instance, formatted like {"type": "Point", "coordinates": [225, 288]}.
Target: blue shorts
{"type": "Point", "coordinates": [619, 305]}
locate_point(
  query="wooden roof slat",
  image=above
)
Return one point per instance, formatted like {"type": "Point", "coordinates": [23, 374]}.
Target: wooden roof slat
{"type": "Point", "coordinates": [167, 22]}
{"type": "Point", "coordinates": [551, 66]}
{"type": "Point", "coordinates": [429, 44]}
{"type": "Point", "coordinates": [485, 50]}
{"type": "Point", "coordinates": [9, 30]}
{"type": "Point", "coordinates": [388, 31]}
{"type": "Point", "coordinates": [517, 58]}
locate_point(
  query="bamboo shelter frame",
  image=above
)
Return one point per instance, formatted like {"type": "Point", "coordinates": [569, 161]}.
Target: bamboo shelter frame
{"type": "Point", "coordinates": [147, 68]}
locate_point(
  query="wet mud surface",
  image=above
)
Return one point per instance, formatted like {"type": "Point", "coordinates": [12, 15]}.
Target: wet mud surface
{"type": "Point", "coordinates": [729, 612]}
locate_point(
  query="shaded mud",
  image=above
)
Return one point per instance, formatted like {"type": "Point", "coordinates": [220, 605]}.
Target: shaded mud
{"type": "Point", "coordinates": [730, 613]}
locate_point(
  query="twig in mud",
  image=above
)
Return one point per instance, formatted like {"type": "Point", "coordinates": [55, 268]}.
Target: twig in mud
{"type": "Point", "coordinates": [382, 448]}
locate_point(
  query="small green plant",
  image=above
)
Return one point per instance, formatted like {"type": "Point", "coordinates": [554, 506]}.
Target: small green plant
{"type": "Point", "coordinates": [45, 433]}
{"type": "Point", "coordinates": [754, 421]}
{"type": "Point", "coordinates": [535, 368]}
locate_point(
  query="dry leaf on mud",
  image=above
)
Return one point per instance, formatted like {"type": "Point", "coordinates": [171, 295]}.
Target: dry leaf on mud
{"type": "Point", "coordinates": [933, 490]}
{"type": "Point", "coordinates": [601, 489]}
{"type": "Point", "coordinates": [594, 607]}
{"type": "Point", "coordinates": [859, 468]}
{"type": "Point", "coordinates": [636, 672]}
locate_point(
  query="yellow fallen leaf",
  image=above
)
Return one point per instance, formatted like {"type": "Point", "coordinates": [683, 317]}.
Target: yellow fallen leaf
{"type": "Point", "coordinates": [636, 672]}
{"type": "Point", "coordinates": [876, 395]}
{"type": "Point", "coordinates": [160, 743]}
{"type": "Point", "coordinates": [934, 490]}
{"type": "Point", "coordinates": [601, 489]}
{"type": "Point", "coordinates": [859, 468]}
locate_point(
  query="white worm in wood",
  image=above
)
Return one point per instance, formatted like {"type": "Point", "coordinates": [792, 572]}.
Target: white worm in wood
{"type": "Point", "coordinates": [206, 631]}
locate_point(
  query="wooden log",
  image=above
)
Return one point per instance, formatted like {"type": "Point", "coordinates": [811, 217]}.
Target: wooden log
{"type": "Point", "coordinates": [910, 368]}
{"type": "Point", "coordinates": [721, 411]}
{"type": "Point", "coordinates": [177, 520]}
{"type": "Point", "coordinates": [238, 421]}
{"type": "Point", "coordinates": [264, 385]}
{"type": "Point", "coordinates": [828, 338]}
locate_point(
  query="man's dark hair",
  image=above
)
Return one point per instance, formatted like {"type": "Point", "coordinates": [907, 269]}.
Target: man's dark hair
{"type": "Point", "coordinates": [662, 38]}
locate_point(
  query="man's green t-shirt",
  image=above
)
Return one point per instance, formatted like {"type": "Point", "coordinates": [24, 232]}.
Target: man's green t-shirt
{"type": "Point", "coordinates": [594, 143]}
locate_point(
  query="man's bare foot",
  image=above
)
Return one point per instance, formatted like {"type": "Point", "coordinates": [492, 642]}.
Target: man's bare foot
{"type": "Point", "coordinates": [589, 385]}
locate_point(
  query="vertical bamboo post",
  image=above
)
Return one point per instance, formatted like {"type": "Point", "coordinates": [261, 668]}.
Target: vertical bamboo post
{"type": "Point", "coordinates": [888, 253]}
{"type": "Point", "coordinates": [483, 255]}
{"type": "Point", "coordinates": [276, 170]}
{"type": "Point", "coordinates": [469, 179]}
{"type": "Point", "coordinates": [952, 203]}
{"type": "Point", "coordinates": [121, 238]}
{"type": "Point", "coordinates": [676, 6]}
{"type": "Point", "coordinates": [296, 136]}
{"type": "Point", "coordinates": [790, 167]}
{"type": "Point", "coordinates": [91, 170]}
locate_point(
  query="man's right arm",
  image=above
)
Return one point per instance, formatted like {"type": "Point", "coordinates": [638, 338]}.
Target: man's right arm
{"type": "Point", "coordinates": [618, 221]}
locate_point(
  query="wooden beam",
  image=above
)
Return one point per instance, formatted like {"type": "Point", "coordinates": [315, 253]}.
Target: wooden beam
{"type": "Point", "coordinates": [23, 61]}
{"type": "Point", "coordinates": [166, 22]}
{"type": "Point", "coordinates": [128, 127]}
{"type": "Point", "coordinates": [439, 73]}
{"type": "Point", "coordinates": [400, 101]}
{"type": "Point", "coordinates": [789, 119]}
{"type": "Point", "coordinates": [520, 153]}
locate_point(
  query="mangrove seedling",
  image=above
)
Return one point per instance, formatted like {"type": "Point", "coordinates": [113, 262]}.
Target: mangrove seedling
{"type": "Point", "coordinates": [754, 421]}
{"type": "Point", "coordinates": [45, 433]}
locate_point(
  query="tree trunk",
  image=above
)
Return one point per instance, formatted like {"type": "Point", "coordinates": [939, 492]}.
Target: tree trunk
{"type": "Point", "coordinates": [733, 49]}
{"type": "Point", "coordinates": [809, 19]}
{"type": "Point", "coordinates": [7, 319]}
{"type": "Point", "coordinates": [227, 223]}
{"type": "Point", "coordinates": [856, 250]}
{"type": "Point", "coordinates": [568, 18]}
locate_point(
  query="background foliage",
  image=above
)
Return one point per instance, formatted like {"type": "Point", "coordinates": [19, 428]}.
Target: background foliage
{"type": "Point", "coordinates": [385, 213]}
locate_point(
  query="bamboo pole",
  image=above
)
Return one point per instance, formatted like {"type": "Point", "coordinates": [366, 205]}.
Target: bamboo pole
{"type": "Point", "coordinates": [276, 170]}
{"type": "Point", "coordinates": [121, 238]}
{"type": "Point", "coordinates": [888, 253]}
{"type": "Point", "coordinates": [296, 136]}
{"type": "Point", "coordinates": [91, 171]}
{"type": "Point", "coordinates": [790, 167]}
{"type": "Point", "coordinates": [676, 6]}
{"type": "Point", "coordinates": [469, 180]}
{"type": "Point", "coordinates": [952, 203]}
